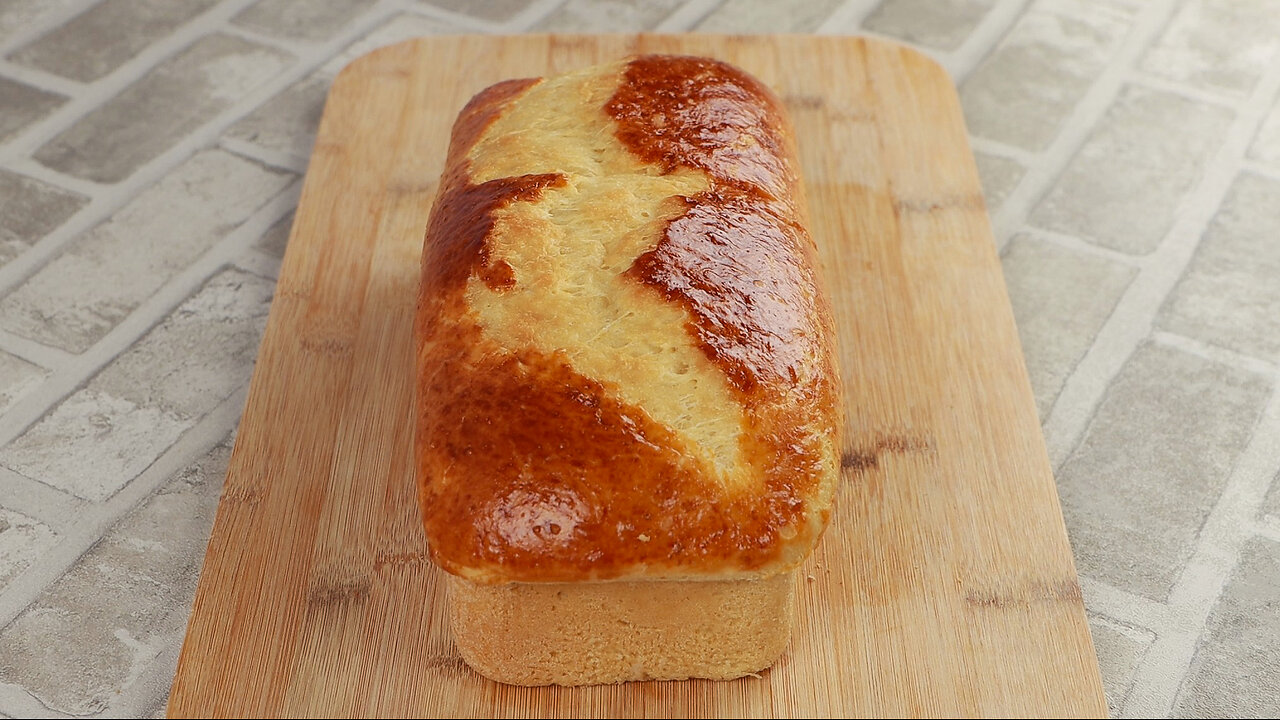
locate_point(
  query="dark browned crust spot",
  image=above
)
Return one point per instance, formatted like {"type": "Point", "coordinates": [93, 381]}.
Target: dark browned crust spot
{"type": "Point", "coordinates": [739, 259]}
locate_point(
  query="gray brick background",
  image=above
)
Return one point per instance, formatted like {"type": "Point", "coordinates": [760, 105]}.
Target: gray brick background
{"type": "Point", "coordinates": [150, 159]}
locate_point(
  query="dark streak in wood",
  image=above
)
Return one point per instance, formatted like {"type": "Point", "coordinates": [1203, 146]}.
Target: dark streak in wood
{"type": "Point", "coordinates": [1061, 591]}
{"type": "Point", "coordinates": [868, 457]}
{"type": "Point", "coordinates": [397, 560]}
{"type": "Point", "coordinates": [326, 346]}
{"type": "Point", "coordinates": [956, 202]}
{"type": "Point", "coordinates": [339, 591]}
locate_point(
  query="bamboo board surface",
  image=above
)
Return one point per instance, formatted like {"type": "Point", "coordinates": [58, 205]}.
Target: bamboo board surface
{"type": "Point", "coordinates": [945, 585]}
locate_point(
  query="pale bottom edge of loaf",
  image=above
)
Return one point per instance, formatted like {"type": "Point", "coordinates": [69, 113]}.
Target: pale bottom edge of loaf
{"type": "Point", "coordinates": [611, 632]}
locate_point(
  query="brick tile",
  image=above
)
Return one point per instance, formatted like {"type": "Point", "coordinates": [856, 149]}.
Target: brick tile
{"type": "Point", "coordinates": [201, 354]}
{"type": "Point", "coordinates": [1122, 188]}
{"type": "Point", "coordinates": [1152, 464]}
{"type": "Point", "coordinates": [748, 16]}
{"type": "Point", "coordinates": [1218, 44]}
{"type": "Point", "coordinates": [276, 238]}
{"type": "Point", "coordinates": [304, 19]}
{"type": "Point", "coordinates": [102, 436]}
{"type": "Point", "coordinates": [29, 210]}
{"type": "Point", "coordinates": [941, 24]}
{"type": "Point", "coordinates": [1119, 649]}
{"type": "Point", "coordinates": [96, 629]}
{"type": "Point", "coordinates": [118, 440]}
{"type": "Point", "coordinates": [17, 378]}
{"type": "Point", "coordinates": [1236, 668]}
{"type": "Point", "coordinates": [1230, 292]}
{"type": "Point", "coordinates": [106, 273]}
{"type": "Point", "coordinates": [157, 111]}
{"type": "Point", "coordinates": [1024, 90]}
{"type": "Point", "coordinates": [18, 15]}
{"type": "Point", "coordinates": [22, 540]}
{"type": "Point", "coordinates": [106, 35]}
{"type": "Point", "coordinates": [491, 10]}
{"type": "Point", "coordinates": [287, 123]}
{"type": "Point", "coordinates": [607, 15]}
{"type": "Point", "coordinates": [999, 178]}
{"type": "Point", "coordinates": [1266, 146]}
{"type": "Point", "coordinates": [21, 105]}
{"type": "Point", "coordinates": [1060, 300]}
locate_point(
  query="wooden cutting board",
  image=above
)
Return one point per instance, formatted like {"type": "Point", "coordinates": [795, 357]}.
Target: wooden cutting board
{"type": "Point", "coordinates": [945, 585]}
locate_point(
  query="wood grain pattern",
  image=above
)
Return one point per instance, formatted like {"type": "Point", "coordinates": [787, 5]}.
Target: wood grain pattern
{"type": "Point", "coordinates": [945, 585]}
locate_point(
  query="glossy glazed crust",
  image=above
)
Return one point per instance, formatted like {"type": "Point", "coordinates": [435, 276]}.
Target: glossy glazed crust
{"type": "Point", "coordinates": [626, 358]}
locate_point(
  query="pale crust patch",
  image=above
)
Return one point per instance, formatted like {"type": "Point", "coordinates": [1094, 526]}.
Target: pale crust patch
{"type": "Point", "coordinates": [569, 294]}
{"type": "Point", "coordinates": [593, 633]}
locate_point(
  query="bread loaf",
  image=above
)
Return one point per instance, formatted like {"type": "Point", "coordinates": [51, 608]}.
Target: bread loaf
{"type": "Point", "coordinates": [628, 399]}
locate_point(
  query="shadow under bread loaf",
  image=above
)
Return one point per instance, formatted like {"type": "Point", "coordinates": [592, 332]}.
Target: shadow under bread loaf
{"type": "Point", "coordinates": [628, 399]}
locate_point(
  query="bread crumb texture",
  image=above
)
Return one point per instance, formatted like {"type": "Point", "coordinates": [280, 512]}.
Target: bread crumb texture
{"type": "Point", "coordinates": [596, 633]}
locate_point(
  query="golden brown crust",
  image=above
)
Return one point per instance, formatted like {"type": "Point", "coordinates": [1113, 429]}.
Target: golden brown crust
{"type": "Point", "coordinates": [543, 461]}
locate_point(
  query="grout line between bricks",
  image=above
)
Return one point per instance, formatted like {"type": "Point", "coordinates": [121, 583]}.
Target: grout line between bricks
{"type": "Point", "coordinates": [259, 263]}
{"type": "Point", "coordinates": [1269, 528]}
{"type": "Point", "coordinates": [525, 19]}
{"type": "Point", "coordinates": [1129, 630]}
{"type": "Point", "coordinates": [1124, 606]}
{"type": "Point", "coordinates": [932, 53]}
{"type": "Point", "coordinates": [149, 692]}
{"type": "Point", "coordinates": [39, 29]}
{"type": "Point", "coordinates": [58, 509]}
{"type": "Point", "coordinates": [847, 18]}
{"type": "Point", "coordinates": [1081, 246]}
{"type": "Point", "coordinates": [1260, 169]}
{"type": "Point", "coordinates": [99, 209]}
{"type": "Point", "coordinates": [1078, 125]}
{"type": "Point", "coordinates": [1159, 678]}
{"type": "Point", "coordinates": [23, 704]}
{"type": "Point", "coordinates": [1026, 158]}
{"type": "Point", "coordinates": [151, 687]}
{"type": "Point", "coordinates": [1208, 97]}
{"type": "Point", "coordinates": [984, 38]}
{"type": "Point", "coordinates": [40, 78]}
{"type": "Point", "coordinates": [28, 166]}
{"type": "Point", "coordinates": [49, 358]}
{"type": "Point", "coordinates": [687, 16]}
{"type": "Point", "coordinates": [74, 373]}
{"type": "Point", "coordinates": [273, 158]}
{"type": "Point", "coordinates": [463, 21]}
{"type": "Point", "coordinates": [1221, 355]}
{"type": "Point", "coordinates": [94, 521]}
{"type": "Point", "coordinates": [1134, 633]}
{"type": "Point", "coordinates": [289, 45]}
